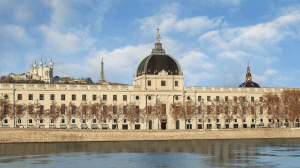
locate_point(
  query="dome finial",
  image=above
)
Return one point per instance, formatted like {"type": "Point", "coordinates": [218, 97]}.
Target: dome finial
{"type": "Point", "coordinates": [157, 36]}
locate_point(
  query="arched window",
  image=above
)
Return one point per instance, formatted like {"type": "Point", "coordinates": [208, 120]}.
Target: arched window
{"type": "Point", "coordinates": [5, 121]}
{"type": "Point", "coordinates": [6, 96]}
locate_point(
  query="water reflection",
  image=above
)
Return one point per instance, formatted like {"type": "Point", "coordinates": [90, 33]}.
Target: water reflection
{"type": "Point", "coordinates": [193, 153]}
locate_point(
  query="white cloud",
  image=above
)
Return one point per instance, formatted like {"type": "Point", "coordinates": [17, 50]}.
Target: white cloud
{"type": "Point", "coordinates": [270, 72]}
{"type": "Point", "coordinates": [122, 60]}
{"type": "Point", "coordinates": [232, 55]}
{"type": "Point", "coordinates": [194, 60]}
{"type": "Point", "coordinates": [168, 21]}
{"type": "Point", "coordinates": [22, 13]}
{"type": "Point", "coordinates": [257, 37]}
{"type": "Point", "coordinates": [70, 42]}
{"type": "Point", "coordinates": [15, 34]}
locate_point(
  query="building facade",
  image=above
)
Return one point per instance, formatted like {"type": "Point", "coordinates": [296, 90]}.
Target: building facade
{"type": "Point", "coordinates": [158, 78]}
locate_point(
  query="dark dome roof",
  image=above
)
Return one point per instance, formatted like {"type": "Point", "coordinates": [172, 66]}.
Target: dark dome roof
{"type": "Point", "coordinates": [249, 84]}
{"type": "Point", "coordinates": [158, 62]}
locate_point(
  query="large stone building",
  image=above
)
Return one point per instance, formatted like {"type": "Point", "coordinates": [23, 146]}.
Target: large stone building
{"type": "Point", "coordinates": [158, 77]}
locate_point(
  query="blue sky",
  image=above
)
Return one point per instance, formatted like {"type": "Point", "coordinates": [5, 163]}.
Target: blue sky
{"type": "Point", "coordinates": [212, 40]}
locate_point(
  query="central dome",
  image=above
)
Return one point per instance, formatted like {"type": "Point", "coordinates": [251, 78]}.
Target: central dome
{"type": "Point", "coordinates": [158, 61]}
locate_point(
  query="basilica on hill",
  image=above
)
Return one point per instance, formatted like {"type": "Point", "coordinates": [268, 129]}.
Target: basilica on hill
{"type": "Point", "coordinates": [158, 78]}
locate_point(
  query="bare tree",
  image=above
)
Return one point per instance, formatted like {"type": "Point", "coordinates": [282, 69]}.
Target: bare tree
{"type": "Point", "coordinates": [83, 108]}
{"type": "Point", "coordinates": [271, 102]}
{"type": "Point", "coordinates": [35, 111]}
{"type": "Point", "coordinates": [189, 112]}
{"type": "Point", "coordinates": [5, 109]}
{"type": "Point", "coordinates": [176, 111]}
{"type": "Point", "coordinates": [72, 111]}
{"type": "Point", "coordinates": [291, 104]}
{"type": "Point", "coordinates": [242, 107]}
{"type": "Point", "coordinates": [18, 111]}
{"type": "Point", "coordinates": [158, 110]}
{"type": "Point", "coordinates": [53, 112]}
{"type": "Point", "coordinates": [132, 113]}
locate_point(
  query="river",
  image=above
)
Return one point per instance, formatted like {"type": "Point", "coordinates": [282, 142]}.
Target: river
{"type": "Point", "coordinates": [188, 153]}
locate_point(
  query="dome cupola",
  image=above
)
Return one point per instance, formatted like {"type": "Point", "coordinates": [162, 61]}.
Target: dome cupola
{"type": "Point", "coordinates": [249, 82]}
{"type": "Point", "coordinates": [157, 61]}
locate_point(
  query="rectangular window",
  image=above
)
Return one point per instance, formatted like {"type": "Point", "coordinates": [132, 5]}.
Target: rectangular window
{"type": "Point", "coordinates": [94, 121]}
{"type": "Point", "coordinates": [63, 97]}
{"type": "Point", "coordinates": [41, 121]}
{"type": "Point", "coordinates": [63, 109]}
{"type": "Point", "coordinates": [234, 109]}
{"type": "Point", "coordinates": [252, 99]}
{"type": "Point", "coordinates": [261, 120]}
{"type": "Point", "coordinates": [208, 110]}
{"type": "Point", "coordinates": [244, 98]}
{"type": "Point", "coordinates": [30, 120]}
{"type": "Point", "coordinates": [104, 97]}
{"type": "Point", "coordinates": [94, 97]}
{"type": "Point", "coordinates": [41, 109]}
{"type": "Point", "coordinates": [114, 97]}
{"type": "Point", "coordinates": [176, 83]}
{"type": "Point", "coordinates": [226, 110]}
{"type": "Point", "coordinates": [115, 120]}
{"type": "Point", "coordinates": [235, 120]}
{"type": "Point", "coordinates": [199, 98]}
{"type": "Point", "coordinates": [124, 97]}
{"type": "Point", "coordinates": [62, 120]}
{"type": "Point", "coordinates": [252, 110]}
{"type": "Point", "coordinates": [30, 97]}
{"type": "Point", "coordinates": [260, 99]}
{"type": "Point", "coordinates": [235, 99]}
{"type": "Point", "coordinates": [199, 109]}
{"type": "Point", "coordinates": [217, 98]}
{"type": "Point", "coordinates": [270, 120]}
{"type": "Point", "coordinates": [124, 109]}
{"type": "Point", "coordinates": [149, 109]}
{"type": "Point", "coordinates": [226, 98]}
{"type": "Point", "coordinates": [163, 83]}
{"type": "Point", "coordinates": [41, 96]}
{"type": "Point", "coordinates": [208, 98]}
{"type": "Point", "coordinates": [261, 110]}
{"type": "Point", "coordinates": [218, 120]}
{"type": "Point", "coordinates": [83, 97]}
{"type": "Point", "coordinates": [163, 108]}
{"type": "Point", "coordinates": [252, 120]}
{"type": "Point", "coordinates": [137, 109]}
{"type": "Point", "coordinates": [124, 121]}
{"type": "Point", "coordinates": [115, 110]}
{"type": "Point", "coordinates": [52, 97]}
{"type": "Point", "coordinates": [73, 120]}
{"type": "Point", "coordinates": [73, 97]}
{"type": "Point", "coordinates": [19, 96]}
{"type": "Point", "coordinates": [149, 82]}
{"type": "Point", "coordinates": [104, 109]}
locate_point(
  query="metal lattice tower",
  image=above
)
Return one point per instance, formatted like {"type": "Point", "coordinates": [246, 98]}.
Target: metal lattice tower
{"type": "Point", "coordinates": [102, 79]}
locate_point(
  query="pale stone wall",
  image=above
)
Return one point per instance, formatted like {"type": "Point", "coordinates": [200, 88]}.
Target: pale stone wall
{"type": "Point", "coordinates": [56, 135]}
{"type": "Point", "coordinates": [166, 96]}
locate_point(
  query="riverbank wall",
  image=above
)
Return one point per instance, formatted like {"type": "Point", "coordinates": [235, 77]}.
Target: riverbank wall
{"type": "Point", "coordinates": [10, 135]}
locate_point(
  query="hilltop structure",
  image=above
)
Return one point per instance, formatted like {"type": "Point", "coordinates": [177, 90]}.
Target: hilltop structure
{"type": "Point", "coordinates": [157, 85]}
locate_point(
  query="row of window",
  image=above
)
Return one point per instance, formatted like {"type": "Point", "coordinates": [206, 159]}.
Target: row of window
{"type": "Point", "coordinates": [63, 97]}
{"type": "Point", "coordinates": [124, 120]}
{"type": "Point", "coordinates": [226, 98]}
{"type": "Point", "coordinates": [162, 83]}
